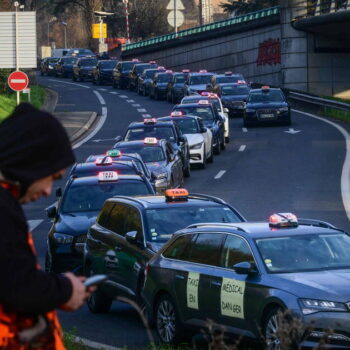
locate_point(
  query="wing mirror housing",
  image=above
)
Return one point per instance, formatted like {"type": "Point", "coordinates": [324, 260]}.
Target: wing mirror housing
{"type": "Point", "coordinates": [203, 130]}
{"type": "Point", "coordinates": [244, 268]}
{"type": "Point", "coordinates": [182, 139]}
{"type": "Point", "coordinates": [131, 236]}
{"type": "Point", "coordinates": [51, 212]}
{"type": "Point", "coordinates": [226, 110]}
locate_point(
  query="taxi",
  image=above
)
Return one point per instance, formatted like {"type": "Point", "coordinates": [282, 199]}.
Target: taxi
{"type": "Point", "coordinates": [159, 84]}
{"type": "Point", "coordinates": [252, 273]}
{"type": "Point", "coordinates": [121, 73]}
{"type": "Point", "coordinates": [211, 119]}
{"type": "Point", "coordinates": [197, 82]}
{"type": "Point", "coordinates": [76, 211]}
{"type": "Point", "coordinates": [145, 80]}
{"type": "Point", "coordinates": [169, 131]}
{"type": "Point", "coordinates": [215, 100]}
{"type": "Point", "coordinates": [64, 67]}
{"type": "Point", "coordinates": [162, 160]}
{"type": "Point", "coordinates": [47, 65]}
{"type": "Point", "coordinates": [227, 78]}
{"type": "Point", "coordinates": [200, 138]}
{"type": "Point", "coordinates": [130, 230]}
{"type": "Point", "coordinates": [83, 67]}
{"type": "Point", "coordinates": [234, 97]}
{"type": "Point", "coordinates": [136, 71]}
{"type": "Point", "coordinates": [103, 72]}
{"type": "Point", "coordinates": [175, 88]}
{"type": "Point", "coordinates": [266, 105]}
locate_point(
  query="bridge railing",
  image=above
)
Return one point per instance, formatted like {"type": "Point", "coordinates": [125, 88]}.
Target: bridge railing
{"type": "Point", "coordinates": [320, 7]}
{"type": "Point", "coordinates": [205, 28]}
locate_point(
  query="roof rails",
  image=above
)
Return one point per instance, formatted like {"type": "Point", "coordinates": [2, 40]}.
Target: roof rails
{"type": "Point", "coordinates": [132, 199]}
{"type": "Point", "coordinates": [206, 197]}
{"type": "Point", "coordinates": [216, 224]}
{"type": "Point", "coordinates": [318, 223]}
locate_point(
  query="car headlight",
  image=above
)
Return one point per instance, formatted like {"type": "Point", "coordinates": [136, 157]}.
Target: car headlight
{"type": "Point", "coordinates": [197, 146]}
{"type": "Point", "coordinates": [248, 110]}
{"type": "Point", "coordinates": [61, 238]}
{"type": "Point", "coordinates": [50, 67]}
{"type": "Point", "coordinates": [282, 110]}
{"type": "Point", "coordinates": [310, 306]}
{"type": "Point", "coordinates": [162, 176]}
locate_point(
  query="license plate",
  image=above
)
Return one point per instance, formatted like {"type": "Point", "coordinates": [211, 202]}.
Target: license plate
{"type": "Point", "coordinates": [267, 116]}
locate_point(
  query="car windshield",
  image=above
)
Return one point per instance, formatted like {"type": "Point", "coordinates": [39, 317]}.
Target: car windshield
{"type": "Point", "coordinates": [108, 64]}
{"type": "Point", "coordinates": [229, 79]}
{"type": "Point", "coordinates": [266, 96]}
{"type": "Point", "coordinates": [305, 253]}
{"type": "Point", "coordinates": [141, 67]}
{"type": "Point", "coordinates": [187, 125]}
{"type": "Point", "coordinates": [53, 60]}
{"type": "Point", "coordinates": [234, 90]}
{"type": "Point", "coordinates": [122, 167]}
{"type": "Point", "coordinates": [163, 222]}
{"type": "Point", "coordinates": [205, 113]}
{"type": "Point", "coordinates": [150, 73]}
{"type": "Point", "coordinates": [200, 79]}
{"type": "Point", "coordinates": [164, 78]}
{"type": "Point", "coordinates": [82, 197]}
{"type": "Point", "coordinates": [69, 60]}
{"type": "Point", "coordinates": [127, 66]}
{"type": "Point", "coordinates": [159, 132]}
{"type": "Point", "coordinates": [179, 79]}
{"type": "Point", "coordinates": [214, 101]}
{"type": "Point", "coordinates": [86, 63]}
{"type": "Point", "coordinates": [149, 154]}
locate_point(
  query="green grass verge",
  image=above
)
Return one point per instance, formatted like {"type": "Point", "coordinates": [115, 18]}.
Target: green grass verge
{"type": "Point", "coordinates": [8, 102]}
{"type": "Point", "coordinates": [343, 116]}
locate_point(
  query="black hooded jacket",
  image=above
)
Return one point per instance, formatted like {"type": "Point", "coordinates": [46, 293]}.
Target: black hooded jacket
{"type": "Point", "coordinates": [33, 145]}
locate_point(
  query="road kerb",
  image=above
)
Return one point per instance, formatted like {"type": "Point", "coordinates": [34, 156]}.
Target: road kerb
{"type": "Point", "coordinates": [85, 128]}
{"type": "Point", "coordinates": [93, 345]}
{"type": "Point", "coordinates": [50, 102]}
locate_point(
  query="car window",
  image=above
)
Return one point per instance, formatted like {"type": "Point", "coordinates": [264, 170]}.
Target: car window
{"type": "Point", "coordinates": [164, 78]}
{"type": "Point", "coordinates": [148, 154]}
{"type": "Point", "coordinates": [200, 79]}
{"type": "Point", "coordinates": [133, 222]}
{"type": "Point", "coordinates": [103, 217]}
{"type": "Point", "coordinates": [179, 79]}
{"type": "Point", "coordinates": [187, 126]}
{"type": "Point", "coordinates": [234, 90]}
{"type": "Point", "coordinates": [266, 96]}
{"type": "Point", "coordinates": [236, 250]}
{"type": "Point", "coordinates": [117, 219]}
{"type": "Point", "coordinates": [206, 113]}
{"type": "Point", "coordinates": [159, 133]}
{"type": "Point", "coordinates": [179, 249]}
{"type": "Point", "coordinates": [88, 62]}
{"type": "Point", "coordinates": [229, 79]}
{"type": "Point", "coordinates": [206, 249]}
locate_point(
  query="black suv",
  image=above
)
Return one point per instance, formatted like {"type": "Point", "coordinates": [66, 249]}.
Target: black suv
{"type": "Point", "coordinates": [175, 88]}
{"type": "Point", "coordinates": [121, 73]}
{"type": "Point", "coordinates": [64, 67]}
{"type": "Point", "coordinates": [130, 230]}
{"type": "Point", "coordinates": [158, 87]}
{"type": "Point", "coordinates": [47, 65]}
{"type": "Point", "coordinates": [136, 71]}
{"type": "Point", "coordinates": [83, 68]}
{"type": "Point", "coordinates": [103, 72]}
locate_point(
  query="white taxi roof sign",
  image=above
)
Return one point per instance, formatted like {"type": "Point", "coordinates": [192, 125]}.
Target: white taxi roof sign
{"type": "Point", "coordinates": [105, 176]}
{"type": "Point", "coordinates": [203, 71]}
{"type": "Point", "coordinates": [104, 161]}
{"type": "Point", "coordinates": [150, 121]}
{"type": "Point", "coordinates": [176, 114]}
{"type": "Point", "coordinates": [203, 102]}
{"type": "Point", "coordinates": [150, 141]}
{"type": "Point", "coordinates": [283, 220]}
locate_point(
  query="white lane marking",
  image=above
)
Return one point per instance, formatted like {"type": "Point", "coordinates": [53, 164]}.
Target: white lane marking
{"type": "Point", "coordinates": [97, 129]}
{"type": "Point", "coordinates": [123, 96]}
{"type": "Point", "coordinates": [141, 110]}
{"type": "Point", "coordinates": [146, 116]}
{"type": "Point", "coordinates": [102, 89]}
{"type": "Point", "coordinates": [136, 105]}
{"type": "Point", "coordinates": [242, 148]}
{"type": "Point", "coordinates": [345, 176]}
{"type": "Point", "coordinates": [114, 93]}
{"type": "Point", "coordinates": [130, 101]}
{"type": "Point", "coordinates": [99, 96]}
{"type": "Point", "coordinates": [220, 174]}
{"type": "Point", "coordinates": [292, 131]}
{"type": "Point", "coordinates": [66, 82]}
{"type": "Point", "coordinates": [33, 224]}
{"type": "Point", "coordinates": [93, 345]}
{"type": "Point", "coordinates": [244, 129]}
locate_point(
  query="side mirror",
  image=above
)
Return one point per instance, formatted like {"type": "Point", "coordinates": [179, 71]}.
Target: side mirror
{"type": "Point", "coordinates": [171, 157]}
{"type": "Point", "coordinates": [59, 192]}
{"type": "Point", "coordinates": [153, 176]}
{"type": "Point", "coordinates": [51, 212]}
{"type": "Point", "coordinates": [244, 268]}
{"type": "Point", "coordinates": [203, 130]}
{"type": "Point", "coordinates": [131, 236]}
{"type": "Point", "coordinates": [118, 139]}
{"type": "Point", "coordinates": [226, 110]}
{"type": "Point", "coordinates": [182, 139]}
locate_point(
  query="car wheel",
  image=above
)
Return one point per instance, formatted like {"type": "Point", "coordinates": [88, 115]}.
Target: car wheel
{"type": "Point", "coordinates": [222, 143]}
{"type": "Point", "coordinates": [211, 157]}
{"type": "Point", "coordinates": [98, 302]}
{"type": "Point", "coordinates": [204, 164]}
{"type": "Point", "coordinates": [168, 325]}
{"type": "Point", "coordinates": [272, 328]}
{"type": "Point", "coordinates": [217, 148]}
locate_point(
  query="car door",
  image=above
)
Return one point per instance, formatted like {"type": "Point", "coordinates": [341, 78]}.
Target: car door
{"type": "Point", "coordinates": [174, 163]}
{"type": "Point", "coordinates": [208, 136]}
{"type": "Point", "coordinates": [236, 296]}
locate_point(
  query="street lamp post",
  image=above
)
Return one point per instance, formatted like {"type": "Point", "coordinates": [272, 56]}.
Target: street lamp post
{"type": "Point", "coordinates": [52, 19]}
{"type": "Point", "coordinates": [65, 33]}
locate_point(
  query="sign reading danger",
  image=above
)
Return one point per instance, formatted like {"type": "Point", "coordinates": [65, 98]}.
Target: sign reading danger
{"type": "Point", "coordinates": [192, 290]}
{"type": "Point", "coordinates": [232, 298]}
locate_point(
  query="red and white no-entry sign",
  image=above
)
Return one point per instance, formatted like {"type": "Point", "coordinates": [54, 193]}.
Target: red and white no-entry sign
{"type": "Point", "coordinates": [18, 81]}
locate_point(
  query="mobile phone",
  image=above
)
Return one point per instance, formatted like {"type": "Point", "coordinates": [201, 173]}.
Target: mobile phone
{"type": "Point", "coordinates": [95, 280]}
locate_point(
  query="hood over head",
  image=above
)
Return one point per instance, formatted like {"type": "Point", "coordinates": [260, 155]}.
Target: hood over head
{"type": "Point", "coordinates": [33, 145]}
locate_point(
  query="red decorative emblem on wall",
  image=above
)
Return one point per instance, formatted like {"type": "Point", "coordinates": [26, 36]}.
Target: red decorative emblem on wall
{"type": "Point", "coordinates": [269, 52]}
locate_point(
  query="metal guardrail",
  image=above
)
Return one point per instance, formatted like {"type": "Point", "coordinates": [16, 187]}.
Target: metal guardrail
{"type": "Point", "coordinates": [205, 28]}
{"type": "Point", "coordinates": [320, 7]}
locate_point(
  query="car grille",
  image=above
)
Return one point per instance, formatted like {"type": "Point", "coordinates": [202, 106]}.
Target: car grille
{"type": "Point", "coordinates": [81, 238]}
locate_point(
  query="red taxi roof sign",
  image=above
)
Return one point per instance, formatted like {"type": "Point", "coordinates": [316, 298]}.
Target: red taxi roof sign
{"type": "Point", "coordinates": [160, 67]}
{"type": "Point", "coordinates": [265, 88]}
{"type": "Point", "coordinates": [204, 93]}
{"type": "Point", "coordinates": [283, 220]}
{"type": "Point", "coordinates": [150, 121]}
{"type": "Point", "coordinates": [241, 82]}
{"type": "Point", "coordinates": [150, 141]}
{"type": "Point", "coordinates": [104, 161]}
{"type": "Point", "coordinates": [176, 114]}
{"type": "Point", "coordinates": [135, 60]}
{"type": "Point", "coordinates": [105, 176]}
{"type": "Point", "coordinates": [168, 71]}
{"type": "Point", "coordinates": [152, 62]}
{"type": "Point", "coordinates": [176, 195]}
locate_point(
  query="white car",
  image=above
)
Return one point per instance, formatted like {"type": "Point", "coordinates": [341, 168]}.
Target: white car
{"type": "Point", "coordinates": [199, 138]}
{"type": "Point", "coordinates": [215, 100]}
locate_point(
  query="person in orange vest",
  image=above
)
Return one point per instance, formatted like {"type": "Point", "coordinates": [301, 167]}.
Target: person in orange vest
{"type": "Point", "coordinates": [34, 151]}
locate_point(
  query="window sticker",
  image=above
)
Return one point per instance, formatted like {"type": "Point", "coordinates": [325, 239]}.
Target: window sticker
{"type": "Point", "coordinates": [232, 298]}
{"type": "Point", "coordinates": [192, 290]}
{"type": "Point", "coordinates": [268, 262]}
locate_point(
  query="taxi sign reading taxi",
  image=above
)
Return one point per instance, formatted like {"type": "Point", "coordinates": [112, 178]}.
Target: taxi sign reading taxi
{"type": "Point", "coordinates": [18, 81]}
